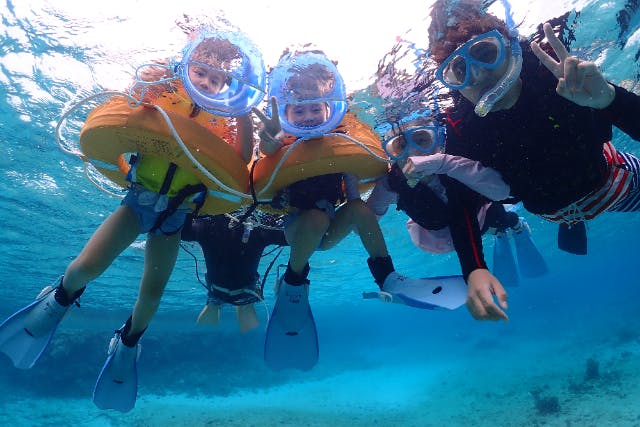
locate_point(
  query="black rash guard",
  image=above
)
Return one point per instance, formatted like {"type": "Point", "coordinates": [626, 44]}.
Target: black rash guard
{"type": "Point", "coordinates": [548, 149]}
{"type": "Point", "coordinates": [231, 264]}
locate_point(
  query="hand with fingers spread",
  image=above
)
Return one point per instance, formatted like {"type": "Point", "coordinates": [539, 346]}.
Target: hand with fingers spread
{"type": "Point", "coordinates": [270, 133]}
{"type": "Point", "coordinates": [578, 81]}
{"type": "Point", "coordinates": [482, 288]}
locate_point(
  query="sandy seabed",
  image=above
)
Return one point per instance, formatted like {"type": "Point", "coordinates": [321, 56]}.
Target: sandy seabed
{"type": "Point", "coordinates": [530, 386]}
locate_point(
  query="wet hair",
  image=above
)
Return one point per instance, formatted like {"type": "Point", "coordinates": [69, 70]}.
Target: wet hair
{"type": "Point", "coordinates": [218, 53]}
{"type": "Point", "coordinates": [310, 81]}
{"type": "Point", "coordinates": [464, 22]}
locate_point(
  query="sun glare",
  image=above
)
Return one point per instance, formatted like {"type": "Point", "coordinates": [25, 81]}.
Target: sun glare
{"type": "Point", "coordinates": [116, 36]}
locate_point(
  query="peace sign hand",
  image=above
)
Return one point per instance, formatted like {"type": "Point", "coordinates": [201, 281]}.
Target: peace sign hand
{"type": "Point", "coordinates": [270, 133]}
{"type": "Point", "coordinates": [578, 81]}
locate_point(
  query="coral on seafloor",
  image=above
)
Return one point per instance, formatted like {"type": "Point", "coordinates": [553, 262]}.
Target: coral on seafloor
{"type": "Point", "coordinates": [545, 405]}
{"type": "Point", "coordinates": [592, 371]}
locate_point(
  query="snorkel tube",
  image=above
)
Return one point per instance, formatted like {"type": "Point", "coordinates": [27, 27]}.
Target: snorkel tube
{"type": "Point", "coordinates": [493, 95]}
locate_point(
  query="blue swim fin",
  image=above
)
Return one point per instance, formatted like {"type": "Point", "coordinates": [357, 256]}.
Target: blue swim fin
{"type": "Point", "coordinates": [431, 293]}
{"type": "Point", "coordinates": [117, 385]}
{"type": "Point", "coordinates": [530, 260]}
{"type": "Point", "coordinates": [292, 339]}
{"type": "Point", "coordinates": [27, 333]}
{"type": "Point", "coordinates": [504, 264]}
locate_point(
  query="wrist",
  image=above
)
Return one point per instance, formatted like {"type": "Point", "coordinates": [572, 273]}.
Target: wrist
{"type": "Point", "coordinates": [270, 145]}
{"type": "Point", "coordinates": [609, 96]}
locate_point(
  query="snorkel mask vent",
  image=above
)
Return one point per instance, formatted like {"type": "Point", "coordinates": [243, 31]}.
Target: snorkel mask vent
{"type": "Point", "coordinates": [308, 78]}
{"type": "Point", "coordinates": [245, 74]}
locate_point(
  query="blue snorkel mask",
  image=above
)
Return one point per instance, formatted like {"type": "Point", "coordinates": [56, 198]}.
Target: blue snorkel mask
{"type": "Point", "coordinates": [418, 132]}
{"type": "Point", "coordinates": [488, 51]}
{"type": "Point", "coordinates": [223, 73]}
{"type": "Point", "coordinates": [308, 80]}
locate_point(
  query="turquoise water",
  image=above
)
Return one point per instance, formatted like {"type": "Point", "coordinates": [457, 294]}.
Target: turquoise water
{"type": "Point", "coordinates": [380, 364]}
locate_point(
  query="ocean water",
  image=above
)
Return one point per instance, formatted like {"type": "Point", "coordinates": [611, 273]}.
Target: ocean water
{"type": "Point", "coordinates": [380, 364]}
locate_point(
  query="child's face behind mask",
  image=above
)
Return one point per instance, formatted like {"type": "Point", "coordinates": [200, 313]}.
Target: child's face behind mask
{"type": "Point", "coordinates": [207, 80]}
{"type": "Point", "coordinates": [415, 141]}
{"type": "Point", "coordinates": [307, 115]}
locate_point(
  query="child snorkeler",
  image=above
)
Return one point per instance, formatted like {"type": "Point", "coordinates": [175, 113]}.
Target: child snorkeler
{"type": "Point", "coordinates": [157, 204]}
{"type": "Point", "coordinates": [416, 146]}
{"type": "Point", "coordinates": [309, 103]}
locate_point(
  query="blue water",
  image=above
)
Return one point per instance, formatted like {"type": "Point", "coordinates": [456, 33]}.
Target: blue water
{"type": "Point", "coordinates": [380, 364]}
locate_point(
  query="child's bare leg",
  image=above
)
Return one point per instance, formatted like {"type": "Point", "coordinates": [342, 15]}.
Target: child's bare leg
{"type": "Point", "coordinates": [247, 317]}
{"type": "Point", "coordinates": [304, 236]}
{"type": "Point", "coordinates": [160, 257]}
{"type": "Point", "coordinates": [355, 213]}
{"type": "Point", "coordinates": [112, 237]}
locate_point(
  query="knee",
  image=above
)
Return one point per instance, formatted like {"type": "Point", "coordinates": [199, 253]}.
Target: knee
{"type": "Point", "coordinates": [316, 220]}
{"type": "Point", "coordinates": [358, 206]}
{"type": "Point", "coordinates": [358, 210]}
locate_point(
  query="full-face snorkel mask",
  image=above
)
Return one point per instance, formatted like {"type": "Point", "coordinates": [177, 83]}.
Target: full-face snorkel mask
{"type": "Point", "coordinates": [239, 65]}
{"type": "Point", "coordinates": [308, 79]}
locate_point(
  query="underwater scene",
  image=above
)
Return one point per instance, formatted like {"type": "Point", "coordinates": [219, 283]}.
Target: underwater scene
{"type": "Point", "coordinates": [569, 354]}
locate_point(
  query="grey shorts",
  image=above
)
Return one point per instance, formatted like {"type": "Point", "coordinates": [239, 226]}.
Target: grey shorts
{"type": "Point", "coordinates": [148, 205]}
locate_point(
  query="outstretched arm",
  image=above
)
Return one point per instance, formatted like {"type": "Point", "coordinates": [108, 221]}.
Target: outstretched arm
{"type": "Point", "coordinates": [472, 173]}
{"type": "Point", "coordinates": [578, 81]}
{"type": "Point", "coordinates": [245, 137]}
{"type": "Point", "coordinates": [482, 286]}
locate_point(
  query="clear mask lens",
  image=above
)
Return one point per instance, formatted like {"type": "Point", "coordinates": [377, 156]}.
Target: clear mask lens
{"type": "Point", "coordinates": [207, 79]}
{"type": "Point", "coordinates": [308, 114]}
{"type": "Point", "coordinates": [396, 147]}
{"type": "Point", "coordinates": [421, 140]}
{"type": "Point", "coordinates": [486, 51]}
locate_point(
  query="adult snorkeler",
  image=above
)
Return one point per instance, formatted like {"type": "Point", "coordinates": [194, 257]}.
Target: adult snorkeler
{"type": "Point", "coordinates": [544, 123]}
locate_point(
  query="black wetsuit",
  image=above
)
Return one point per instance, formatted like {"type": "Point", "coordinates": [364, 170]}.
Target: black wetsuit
{"type": "Point", "coordinates": [548, 149]}
{"type": "Point", "coordinates": [231, 264]}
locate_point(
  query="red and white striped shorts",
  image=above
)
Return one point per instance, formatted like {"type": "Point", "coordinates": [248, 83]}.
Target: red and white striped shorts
{"type": "Point", "coordinates": [611, 191]}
